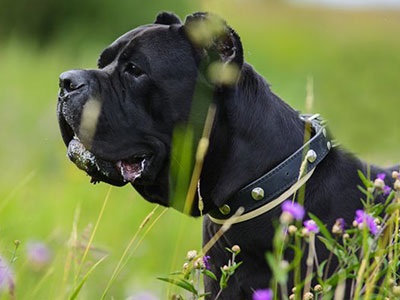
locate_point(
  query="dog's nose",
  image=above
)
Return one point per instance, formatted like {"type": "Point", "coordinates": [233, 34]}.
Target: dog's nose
{"type": "Point", "coordinates": [72, 80]}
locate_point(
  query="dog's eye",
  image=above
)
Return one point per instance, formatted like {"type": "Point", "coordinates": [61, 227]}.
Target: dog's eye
{"type": "Point", "coordinates": [133, 70]}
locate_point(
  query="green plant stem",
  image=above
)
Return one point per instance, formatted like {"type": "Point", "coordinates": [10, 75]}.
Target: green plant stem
{"type": "Point", "coordinates": [122, 262]}
{"type": "Point", "coordinates": [310, 263]}
{"type": "Point", "coordinates": [364, 263]}
{"type": "Point", "coordinates": [89, 244]}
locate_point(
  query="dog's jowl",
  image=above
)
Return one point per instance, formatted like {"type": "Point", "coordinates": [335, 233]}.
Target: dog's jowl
{"type": "Point", "coordinates": [118, 123]}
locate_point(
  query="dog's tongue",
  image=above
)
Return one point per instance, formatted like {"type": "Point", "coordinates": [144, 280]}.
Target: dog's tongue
{"type": "Point", "coordinates": [130, 171]}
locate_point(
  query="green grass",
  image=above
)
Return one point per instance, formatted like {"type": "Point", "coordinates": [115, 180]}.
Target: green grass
{"type": "Point", "coordinates": [353, 58]}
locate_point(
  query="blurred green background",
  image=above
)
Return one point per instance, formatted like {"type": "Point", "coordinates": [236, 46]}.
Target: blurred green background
{"type": "Point", "coordinates": [352, 55]}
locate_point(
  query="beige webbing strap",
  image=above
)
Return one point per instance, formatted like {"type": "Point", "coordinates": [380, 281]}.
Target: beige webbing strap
{"type": "Point", "coordinates": [267, 207]}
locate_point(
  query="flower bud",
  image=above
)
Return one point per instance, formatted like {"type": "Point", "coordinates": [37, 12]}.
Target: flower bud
{"type": "Point", "coordinates": [191, 255]}
{"type": "Point", "coordinates": [286, 218]}
{"type": "Point", "coordinates": [379, 183]}
{"type": "Point", "coordinates": [292, 229]}
{"type": "Point", "coordinates": [235, 249]}
{"type": "Point", "coordinates": [396, 185]}
{"type": "Point", "coordinates": [308, 296]}
{"type": "Point", "coordinates": [396, 290]}
{"type": "Point", "coordinates": [318, 288]}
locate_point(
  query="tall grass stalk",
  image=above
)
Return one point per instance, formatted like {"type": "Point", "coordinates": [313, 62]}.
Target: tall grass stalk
{"type": "Point", "coordinates": [86, 252]}
{"type": "Point", "coordinates": [89, 243]}
{"type": "Point", "coordinates": [73, 241]}
{"type": "Point", "coordinates": [127, 252]}
{"type": "Point", "coordinates": [202, 148]}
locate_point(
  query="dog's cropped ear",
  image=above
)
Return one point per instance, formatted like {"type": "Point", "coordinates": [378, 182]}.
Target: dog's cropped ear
{"type": "Point", "coordinates": [218, 43]}
{"type": "Point", "coordinates": [166, 18]}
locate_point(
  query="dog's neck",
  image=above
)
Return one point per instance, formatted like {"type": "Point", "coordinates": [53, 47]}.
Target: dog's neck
{"type": "Point", "coordinates": [238, 131]}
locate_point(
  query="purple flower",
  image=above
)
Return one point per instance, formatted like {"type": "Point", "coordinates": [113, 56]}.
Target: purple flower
{"type": "Point", "coordinates": [38, 254]}
{"type": "Point", "coordinates": [381, 176]}
{"type": "Point", "coordinates": [311, 226]}
{"type": "Point", "coordinates": [379, 183]}
{"type": "Point", "coordinates": [265, 294]}
{"type": "Point", "coordinates": [386, 190]}
{"type": "Point", "coordinates": [363, 218]}
{"type": "Point", "coordinates": [294, 209]}
{"type": "Point", "coordinates": [6, 277]}
{"type": "Point", "coordinates": [338, 227]}
{"type": "Point", "coordinates": [206, 261]}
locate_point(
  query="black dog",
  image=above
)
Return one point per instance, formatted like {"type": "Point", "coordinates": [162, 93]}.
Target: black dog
{"type": "Point", "coordinates": [118, 122]}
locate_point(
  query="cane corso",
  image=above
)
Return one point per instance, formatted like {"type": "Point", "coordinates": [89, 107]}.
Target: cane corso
{"type": "Point", "coordinates": [118, 123]}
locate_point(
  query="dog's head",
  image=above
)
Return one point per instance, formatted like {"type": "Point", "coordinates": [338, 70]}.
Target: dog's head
{"type": "Point", "coordinates": [118, 120]}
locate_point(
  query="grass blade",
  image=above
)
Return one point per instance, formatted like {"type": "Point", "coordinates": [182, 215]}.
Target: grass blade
{"type": "Point", "coordinates": [84, 279]}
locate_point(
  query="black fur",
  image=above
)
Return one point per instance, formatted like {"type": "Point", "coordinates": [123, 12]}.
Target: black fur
{"type": "Point", "coordinates": [254, 130]}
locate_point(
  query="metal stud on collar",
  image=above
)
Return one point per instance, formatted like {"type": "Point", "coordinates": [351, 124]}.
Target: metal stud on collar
{"type": "Point", "coordinates": [311, 156]}
{"type": "Point", "coordinates": [328, 145]}
{"type": "Point", "coordinates": [257, 193]}
{"type": "Point", "coordinates": [225, 209]}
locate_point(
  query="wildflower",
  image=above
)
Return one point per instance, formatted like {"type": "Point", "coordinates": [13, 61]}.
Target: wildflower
{"type": "Point", "coordinates": [292, 229]}
{"type": "Point", "coordinates": [308, 296]}
{"type": "Point", "coordinates": [318, 288]}
{"type": "Point", "coordinates": [396, 185]}
{"type": "Point", "coordinates": [236, 249]}
{"type": "Point", "coordinates": [379, 183]}
{"type": "Point", "coordinates": [291, 210]}
{"type": "Point", "coordinates": [311, 226]}
{"type": "Point", "coordinates": [386, 190]}
{"type": "Point", "coordinates": [264, 294]}
{"type": "Point", "coordinates": [381, 176]}
{"type": "Point", "coordinates": [191, 255]}
{"type": "Point", "coordinates": [338, 227]}
{"type": "Point", "coordinates": [363, 218]}
{"type": "Point", "coordinates": [7, 281]}
{"type": "Point", "coordinates": [284, 264]}
{"type": "Point", "coordinates": [38, 254]}
{"type": "Point", "coordinates": [206, 262]}
{"type": "Point", "coordinates": [185, 266]}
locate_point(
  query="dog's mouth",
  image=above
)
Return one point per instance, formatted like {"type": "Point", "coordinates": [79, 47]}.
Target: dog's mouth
{"type": "Point", "coordinates": [118, 172]}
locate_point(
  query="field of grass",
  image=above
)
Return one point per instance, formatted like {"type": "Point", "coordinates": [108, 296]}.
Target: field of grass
{"type": "Point", "coordinates": [353, 58]}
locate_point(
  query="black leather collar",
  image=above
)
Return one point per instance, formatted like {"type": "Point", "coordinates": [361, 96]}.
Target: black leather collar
{"type": "Point", "coordinates": [281, 178]}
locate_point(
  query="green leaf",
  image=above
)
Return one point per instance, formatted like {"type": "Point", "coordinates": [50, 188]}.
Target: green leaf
{"type": "Point", "coordinates": [210, 274]}
{"type": "Point", "coordinates": [320, 271]}
{"type": "Point", "coordinates": [181, 283]}
{"type": "Point", "coordinates": [392, 208]}
{"type": "Point", "coordinates": [279, 273]}
{"type": "Point", "coordinates": [223, 280]}
{"type": "Point", "coordinates": [236, 265]}
{"type": "Point", "coordinates": [85, 278]}
{"type": "Point", "coordinates": [298, 254]}
{"type": "Point", "coordinates": [322, 228]}
{"type": "Point", "coordinates": [367, 183]}
{"type": "Point", "coordinates": [364, 191]}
